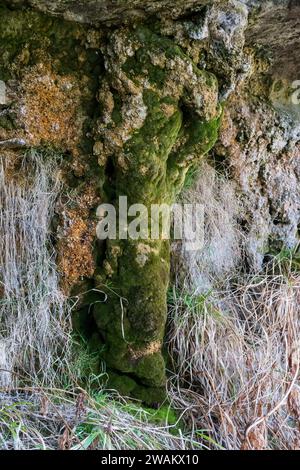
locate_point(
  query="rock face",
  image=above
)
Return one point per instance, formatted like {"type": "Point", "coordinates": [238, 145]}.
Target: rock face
{"type": "Point", "coordinates": [112, 12]}
{"type": "Point", "coordinates": [276, 29]}
{"type": "Point", "coordinates": [132, 96]}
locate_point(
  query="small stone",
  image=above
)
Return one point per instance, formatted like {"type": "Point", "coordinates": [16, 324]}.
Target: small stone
{"type": "Point", "coordinates": [12, 143]}
{"type": "Point", "coordinates": [3, 98]}
{"type": "Point", "coordinates": [98, 148]}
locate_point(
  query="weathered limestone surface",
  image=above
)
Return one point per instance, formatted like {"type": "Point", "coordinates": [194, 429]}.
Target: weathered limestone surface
{"type": "Point", "coordinates": [112, 11]}
{"type": "Point", "coordinates": [275, 28]}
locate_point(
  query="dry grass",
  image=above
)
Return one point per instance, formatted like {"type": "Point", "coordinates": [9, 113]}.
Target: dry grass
{"type": "Point", "coordinates": [34, 316]}
{"type": "Point", "coordinates": [223, 240]}
{"type": "Point", "coordinates": [234, 338]}
{"type": "Point", "coordinates": [53, 420]}
{"type": "Point", "coordinates": [236, 355]}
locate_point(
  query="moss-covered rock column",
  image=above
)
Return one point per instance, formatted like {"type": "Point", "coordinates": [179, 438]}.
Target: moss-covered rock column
{"type": "Point", "coordinates": [159, 116]}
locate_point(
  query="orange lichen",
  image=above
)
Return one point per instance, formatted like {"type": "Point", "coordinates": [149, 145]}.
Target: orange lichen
{"type": "Point", "coordinates": [50, 108]}
{"type": "Point", "coordinates": [76, 237]}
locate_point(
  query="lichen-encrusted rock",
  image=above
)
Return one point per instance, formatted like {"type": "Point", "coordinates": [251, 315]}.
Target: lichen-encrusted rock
{"type": "Point", "coordinates": [112, 12]}
{"type": "Point", "coordinates": [260, 148]}
{"type": "Point", "coordinates": [260, 132]}
{"type": "Point", "coordinates": [160, 115]}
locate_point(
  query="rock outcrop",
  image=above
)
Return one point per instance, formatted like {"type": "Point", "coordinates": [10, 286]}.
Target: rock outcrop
{"type": "Point", "coordinates": [131, 96]}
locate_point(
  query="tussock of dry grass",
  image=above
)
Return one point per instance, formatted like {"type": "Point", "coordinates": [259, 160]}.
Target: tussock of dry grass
{"type": "Point", "coordinates": [34, 317]}
{"type": "Point", "coordinates": [223, 241]}
{"type": "Point", "coordinates": [237, 352]}
{"type": "Point", "coordinates": [234, 338]}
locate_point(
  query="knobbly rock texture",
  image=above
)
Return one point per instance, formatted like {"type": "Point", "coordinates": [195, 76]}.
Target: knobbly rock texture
{"type": "Point", "coordinates": [160, 116]}
{"type": "Point", "coordinates": [275, 29]}
{"type": "Point", "coordinates": [116, 12]}
{"type": "Point", "coordinates": [261, 152]}
{"type": "Point", "coordinates": [131, 96]}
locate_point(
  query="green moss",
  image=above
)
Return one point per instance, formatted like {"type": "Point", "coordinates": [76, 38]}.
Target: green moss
{"type": "Point", "coordinates": [140, 64]}
{"type": "Point", "coordinates": [165, 415]}
{"type": "Point", "coordinates": [151, 369]}
{"type": "Point", "coordinates": [7, 122]}
{"type": "Point", "coordinates": [124, 384]}
{"type": "Point", "coordinates": [150, 147]}
{"type": "Point", "coordinates": [200, 137]}
{"type": "Point", "coordinates": [157, 156]}
{"type": "Point", "coordinates": [201, 134]}
{"type": "Point", "coordinates": [153, 42]}
{"type": "Point", "coordinates": [143, 320]}
{"type": "Point", "coordinates": [151, 396]}
{"type": "Point", "coordinates": [117, 114]}
{"type": "Point", "coordinates": [102, 315]}
{"type": "Point", "coordinates": [140, 321]}
{"type": "Point", "coordinates": [162, 416]}
{"type": "Point", "coordinates": [191, 176]}
{"type": "Point", "coordinates": [26, 35]}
